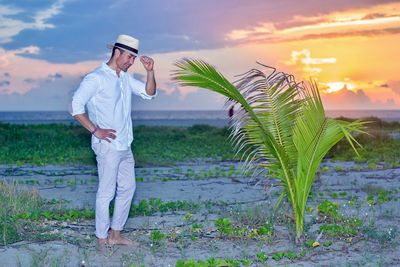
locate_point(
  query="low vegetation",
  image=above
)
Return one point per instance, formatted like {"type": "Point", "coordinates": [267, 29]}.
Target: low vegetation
{"type": "Point", "coordinates": [70, 144]}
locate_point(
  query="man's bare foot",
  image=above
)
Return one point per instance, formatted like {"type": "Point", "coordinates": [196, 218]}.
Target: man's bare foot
{"type": "Point", "coordinates": [116, 238]}
{"type": "Point", "coordinates": [102, 244]}
{"type": "Point", "coordinates": [102, 241]}
{"type": "Point", "coordinates": [120, 241]}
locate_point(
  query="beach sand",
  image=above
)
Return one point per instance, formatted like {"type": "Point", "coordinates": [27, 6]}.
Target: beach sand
{"type": "Point", "coordinates": [223, 191]}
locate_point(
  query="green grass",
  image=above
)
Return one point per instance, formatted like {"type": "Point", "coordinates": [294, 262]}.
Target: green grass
{"type": "Point", "coordinates": [14, 201]}
{"type": "Point", "coordinates": [70, 144]}
{"type": "Point", "coordinates": [228, 229]}
{"type": "Point", "coordinates": [156, 236]}
{"type": "Point", "coordinates": [144, 208]}
{"type": "Point", "coordinates": [348, 228]}
{"type": "Point", "coordinates": [211, 262]}
{"type": "Point", "coordinates": [378, 146]}
{"type": "Point", "coordinates": [22, 213]}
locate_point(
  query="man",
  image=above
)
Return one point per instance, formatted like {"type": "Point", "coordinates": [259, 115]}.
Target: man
{"type": "Point", "coordinates": [106, 92]}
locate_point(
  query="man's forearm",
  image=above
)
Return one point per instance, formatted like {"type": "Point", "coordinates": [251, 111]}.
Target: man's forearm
{"type": "Point", "coordinates": [86, 122]}
{"type": "Point", "coordinates": [103, 134]}
{"type": "Point", "coordinates": [151, 83]}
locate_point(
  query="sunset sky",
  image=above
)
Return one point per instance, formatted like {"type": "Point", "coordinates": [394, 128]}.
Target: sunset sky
{"type": "Point", "coordinates": [351, 48]}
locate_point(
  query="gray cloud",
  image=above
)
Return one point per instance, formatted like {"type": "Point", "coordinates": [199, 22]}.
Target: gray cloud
{"type": "Point", "coordinates": [200, 100]}
{"type": "Point", "coordinates": [347, 99]}
{"type": "Point", "coordinates": [140, 77]}
{"type": "Point", "coordinates": [4, 83]}
{"type": "Point", "coordinates": [54, 76]}
{"type": "Point", "coordinates": [55, 95]}
{"type": "Point", "coordinates": [29, 80]}
{"type": "Point", "coordinates": [174, 25]}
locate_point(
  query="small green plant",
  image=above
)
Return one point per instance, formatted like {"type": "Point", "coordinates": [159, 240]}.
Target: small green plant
{"type": "Point", "coordinates": [224, 226]}
{"type": "Point", "coordinates": [383, 196]}
{"type": "Point", "coordinates": [196, 231]}
{"type": "Point", "coordinates": [372, 165]}
{"type": "Point", "coordinates": [309, 243]}
{"type": "Point", "coordinates": [329, 209]}
{"type": "Point", "coordinates": [266, 230]}
{"type": "Point", "coordinates": [291, 255]}
{"type": "Point", "coordinates": [325, 169]}
{"type": "Point", "coordinates": [309, 210]}
{"type": "Point", "coordinates": [333, 195]}
{"type": "Point", "coordinates": [261, 256]}
{"type": "Point", "coordinates": [246, 262]}
{"type": "Point", "coordinates": [278, 256]}
{"type": "Point", "coordinates": [352, 200]}
{"type": "Point", "coordinates": [357, 168]}
{"type": "Point", "coordinates": [188, 216]}
{"type": "Point", "coordinates": [348, 228]}
{"type": "Point", "coordinates": [157, 237]}
{"type": "Point", "coordinates": [371, 200]}
{"type": "Point", "coordinates": [211, 262]}
{"type": "Point", "coordinates": [339, 168]}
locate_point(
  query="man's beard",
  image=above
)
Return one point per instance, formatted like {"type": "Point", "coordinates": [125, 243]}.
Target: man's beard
{"type": "Point", "coordinates": [125, 69]}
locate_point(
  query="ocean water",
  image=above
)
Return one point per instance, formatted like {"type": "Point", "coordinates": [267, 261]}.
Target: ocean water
{"type": "Point", "coordinates": [160, 118]}
{"type": "Point", "coordinates": [217, 118]}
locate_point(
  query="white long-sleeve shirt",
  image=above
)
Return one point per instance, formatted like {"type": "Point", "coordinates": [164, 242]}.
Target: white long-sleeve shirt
{"type": "Point", "coordinates": [107, 98]}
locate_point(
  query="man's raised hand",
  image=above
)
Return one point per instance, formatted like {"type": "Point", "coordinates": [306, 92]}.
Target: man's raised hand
{"type": "Point", "coordinates": [148, 62]}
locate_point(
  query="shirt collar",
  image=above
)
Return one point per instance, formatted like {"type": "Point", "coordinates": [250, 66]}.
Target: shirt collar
{"type": "Point", "coordinates": [110, 70]}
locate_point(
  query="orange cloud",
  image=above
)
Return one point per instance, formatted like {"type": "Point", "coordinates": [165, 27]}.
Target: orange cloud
{"type": "Point", "coordinates": [376, 20]}
{"type": "Point", "coordinates": [306, 64]}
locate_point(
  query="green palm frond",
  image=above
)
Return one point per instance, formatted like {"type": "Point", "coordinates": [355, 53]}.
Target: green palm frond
{"type": "Point", "coordinates": [198, 73]}
{"type": "Point", "coordinates": [192, 72]}
{"type": "Point", "coordinates": [280, 125]}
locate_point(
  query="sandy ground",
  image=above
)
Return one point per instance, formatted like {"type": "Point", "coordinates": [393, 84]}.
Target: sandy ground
{"type": "Point", "coordinates": [222, 191]}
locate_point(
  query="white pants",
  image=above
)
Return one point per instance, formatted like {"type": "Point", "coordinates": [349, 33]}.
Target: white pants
{"type": "Point", "coordinates": [116, 175]}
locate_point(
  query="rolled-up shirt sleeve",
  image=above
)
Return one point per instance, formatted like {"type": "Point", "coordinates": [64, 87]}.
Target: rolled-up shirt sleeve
{"type": "Point", "coordinates": [139, 88]}
{"type": "Point", "coordinates": [86, 90]}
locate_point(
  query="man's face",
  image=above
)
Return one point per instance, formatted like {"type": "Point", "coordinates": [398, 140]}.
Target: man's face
{"type": "Point", "coordinates": [125, 60]}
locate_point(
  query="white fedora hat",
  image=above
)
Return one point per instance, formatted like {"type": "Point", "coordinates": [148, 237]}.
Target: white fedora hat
{"type": "Point", "coordinates": [127, 43]}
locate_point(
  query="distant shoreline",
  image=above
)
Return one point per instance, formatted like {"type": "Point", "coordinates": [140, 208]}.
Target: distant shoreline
{"type": "Point", "coordinates": [185, 118]}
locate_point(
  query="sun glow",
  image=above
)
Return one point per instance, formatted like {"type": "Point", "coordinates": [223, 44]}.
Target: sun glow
{"type": "Point", "coordinates": [337, 86]}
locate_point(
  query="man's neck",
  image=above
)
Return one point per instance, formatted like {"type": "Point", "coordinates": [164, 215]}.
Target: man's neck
{"type": "Point", "coordinates": [113, 66]}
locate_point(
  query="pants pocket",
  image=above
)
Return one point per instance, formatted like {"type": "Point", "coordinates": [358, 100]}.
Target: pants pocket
{"type": "Point", "coordinates": [100, 149]}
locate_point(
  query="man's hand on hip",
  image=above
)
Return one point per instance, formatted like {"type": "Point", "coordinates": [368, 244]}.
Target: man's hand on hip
{"type": "Point", "coordinates": [105, 134]}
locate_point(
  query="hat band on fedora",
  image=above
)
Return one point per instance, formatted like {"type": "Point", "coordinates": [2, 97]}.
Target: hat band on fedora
{"type": "Point", "coordinates": [126, 47]}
